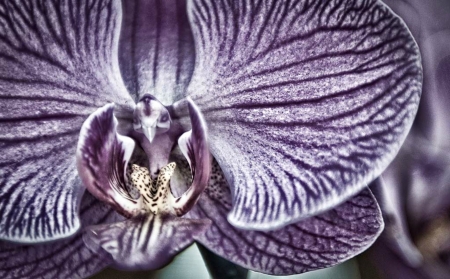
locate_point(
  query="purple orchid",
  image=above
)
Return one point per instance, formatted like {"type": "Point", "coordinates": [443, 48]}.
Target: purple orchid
{"type": "Point", "coordinates": [414, 191]}
{"type": "Point", "coordinates": [252, 127]}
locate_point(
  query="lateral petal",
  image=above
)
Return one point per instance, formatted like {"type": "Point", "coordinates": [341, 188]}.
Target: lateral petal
{"type": "Point", "coordinates": [58, 62]}
{"type": "Point", "coordinates": [306, 102]}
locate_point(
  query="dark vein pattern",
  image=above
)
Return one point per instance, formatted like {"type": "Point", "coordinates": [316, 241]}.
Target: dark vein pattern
{"type": "Point", "coordinates": [429, 23]}
{"type": "Point", "coordinates": [63, 259]}
{"type": "Point", "coordinates": [156, 49]}
{"type": "Point", "coordinates": [316, 242]}
{"type": "Point", "coordinates": [146, 242]}
{"type": "Point", "coordinates": [306, 101]}
{"type": "Point", "coordinates": [58, 61]}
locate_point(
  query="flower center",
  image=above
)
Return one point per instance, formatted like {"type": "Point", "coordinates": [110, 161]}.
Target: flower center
{"type": "Point", "coordinates": [155, 193]}
{"type": "Point", "coordinates": [103, 156]}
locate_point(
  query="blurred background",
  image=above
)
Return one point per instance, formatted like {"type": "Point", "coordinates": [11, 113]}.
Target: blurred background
{"type": "Point", "coordinates": [191, 265]}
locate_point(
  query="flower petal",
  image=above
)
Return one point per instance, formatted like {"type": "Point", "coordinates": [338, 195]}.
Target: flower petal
{"type": "Point", "coordinates": [146, 242]}
{"type": "Point", "coordinates": [58, 62]}
{"type": "Point", "coordinates": [63, 259]}
{"type": "Point", "coordinates": [156, 49]}
{"type": "Point", "coordinates": [430, 25]}
{"type": "Point", "coordinates": [387, 193]}
{"type": "Point", "coordinates": [102, 159]}
{"type": "Point", "coordinates": [389, 265]}
{"type": "Point", "coordinates": [194, 146]}
{"type": "Point", "coordinates": [317, 242]}
{"type": "Point", "coordinates": [306, 102]}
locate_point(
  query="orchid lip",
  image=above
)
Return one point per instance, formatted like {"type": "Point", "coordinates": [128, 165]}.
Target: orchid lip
{"type": "Point", "coordinates": [103, 156]}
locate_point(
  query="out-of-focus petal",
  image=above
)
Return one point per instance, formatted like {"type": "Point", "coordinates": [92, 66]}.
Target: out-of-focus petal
{"type": "Point", "coordinates": [306, 102]}
{"type": "Point", "coordinates": [146, 242]}
{"type": "Point", "coordinates": [63, 259]}
{"type": "Point", "coordinates": [102, 158]}
{"type": "Point", "coordinates": [317, 242]}
{"type": "Point", "coordinates": [389, 265]}
{"type": "Point", "coordinates": [387, 192]}
{"type": "Point", "coordinates": [156, 49]}
{"type": "Point", "coordinates": [424, 172]}
{"type": "Point", "coordinates": [58, 62]}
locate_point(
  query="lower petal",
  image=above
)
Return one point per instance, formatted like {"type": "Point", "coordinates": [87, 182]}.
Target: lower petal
{"type": "Point", "coordinates": [316, 242]}
{"type": "Point", "coordinates": [145, 242]}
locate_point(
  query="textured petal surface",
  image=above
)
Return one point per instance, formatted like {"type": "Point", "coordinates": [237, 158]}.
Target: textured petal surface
{"type": "Point", "coordinates": [317, 242]}
{"type": "Point", "coordinates": [102, 158]}
{"type": "Point", "coordinates": [306, 101]}
{"type": "Point", "coordinates": [62, 259]}
{"type": "Point", "coordinates": [146, 242]}
{"type": "Point", "coordinates": [429, 23]}
{"type": "Point", "coordinates": [56, 66]}
{"type": "Point", "coordinates": [156, 49]}
{"type": "Point", "coordinates": [424, 168]}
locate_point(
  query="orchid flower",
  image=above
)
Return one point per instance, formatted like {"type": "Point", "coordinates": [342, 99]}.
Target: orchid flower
{"type": "Point", "coordinates": [252, 127]}
{"type": "Point", "coordinates": [414, 191]}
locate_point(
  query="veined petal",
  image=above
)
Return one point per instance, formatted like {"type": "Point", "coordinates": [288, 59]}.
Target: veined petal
{"type": "Point", "coordinates": [317, 242]}
{"type": "Point", "coordinates": [146, 242]}
{"type": "Point", "coordinates": [156, 49]}
{"type": "Point", "coordinates": [194, 146]}
{"type": "Point", "coordinates": [306, 102]}
{"type": "Point", "coordinates": [102, 158]}
{"type": "Point", "coordinates": [58, 62]}
{"type": "Point", "coordinates": [430, 25]}
{"type": "Point", "coordinates": [63, 259]}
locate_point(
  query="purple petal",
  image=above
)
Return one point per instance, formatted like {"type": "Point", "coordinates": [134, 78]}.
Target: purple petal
{"type": "Point", "coordinates": [194, 146]}
{"type": "Point", "coordinates": [156, 49]}
{"type": "Point", "coordinates": [429, 22]}
{"type": "Point", "coordinates": [102, 159]}
{"type": "Point", "coordinates": [317, 242]}
{"type": "Point", "coordinates": [306, 102]}
{"type": "Point", "coordinates": [388, 194]}
{"type": "Point", "coordinates": [145, 242]}
{"type": "Point", "coordinates": [57, 64]}
{"type": "Point", "coordinates": [413, 193]}
{"type": "Point", "coordinates": [420, 173]}
{"type": "Point", "coordinates": [390, 265]}
{"type": "Point", "coordinates": [62, 259]}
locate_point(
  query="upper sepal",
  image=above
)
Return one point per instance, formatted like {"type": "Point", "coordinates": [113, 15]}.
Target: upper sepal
{"type": "Point", "coordinates": [145, 242]}
{"type": "Point", "coordinates": [306, 101]}
{"type": "Point", "coordinates": [102, 158]}
{"type": "Point", "coordinates": [156, 49]}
